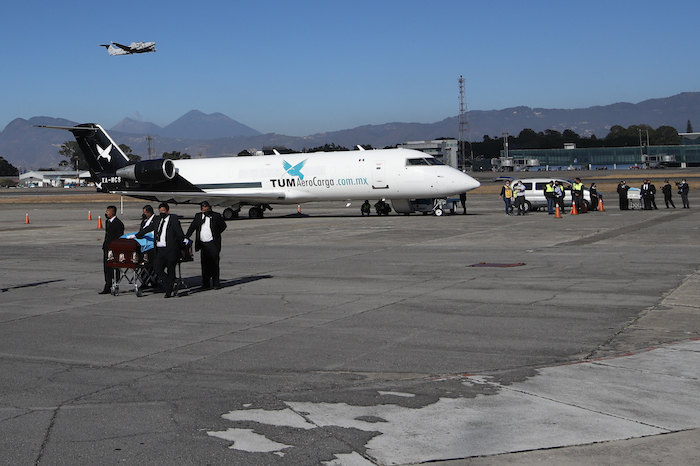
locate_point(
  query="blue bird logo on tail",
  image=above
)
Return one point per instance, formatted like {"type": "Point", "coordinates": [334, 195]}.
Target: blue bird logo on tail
{"type": "Point", "coordinates": [294, 170]}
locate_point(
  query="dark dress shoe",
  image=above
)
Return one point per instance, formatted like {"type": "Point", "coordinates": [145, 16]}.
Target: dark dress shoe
{"type": "Point", "coordinates": [105, 291]}
{"type": "Point", "coordinates": [167, 294]}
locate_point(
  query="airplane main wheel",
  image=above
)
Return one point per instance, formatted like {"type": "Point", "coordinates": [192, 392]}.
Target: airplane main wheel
{"type": "Point", "coordinates": [229, 213]}
{"type": "Point", "coordinates": [255, 212]}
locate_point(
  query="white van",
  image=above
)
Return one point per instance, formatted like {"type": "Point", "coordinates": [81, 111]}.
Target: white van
{"type": "Point", "coordinates": [534, 193]}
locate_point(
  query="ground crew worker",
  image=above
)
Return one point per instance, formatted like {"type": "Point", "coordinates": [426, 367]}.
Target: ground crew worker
{"type": "Point", "coordinates": [519, 189]}
{"type": "Point", "coordinates": [506, 195]}
{"type": "Point", "coordinates": [382, 207]}
{"type": "Point", "coordinates": [577, 194]}
{"type": "Point", "coordinates": [365, 208]}
{"type": "Point", "coordinates": [549, 195]}
{"type": "Point", "coordinates": [559, 195]}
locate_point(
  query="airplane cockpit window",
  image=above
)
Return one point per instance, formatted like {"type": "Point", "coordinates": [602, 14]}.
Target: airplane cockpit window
{"type": "Point", "coordinates": [416, 161]}
{"type": "Point", "coordinates": [434, 161]}
{"type": "Point", "coordinates": [423, 161]}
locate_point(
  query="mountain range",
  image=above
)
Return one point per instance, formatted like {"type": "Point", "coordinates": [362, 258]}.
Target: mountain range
{"type": "Point", "coordinates": [216, 135]}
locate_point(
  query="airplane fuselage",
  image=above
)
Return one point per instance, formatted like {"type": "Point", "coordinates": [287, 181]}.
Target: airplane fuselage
{"type": "Point", "coordinates": [398, 175]}
{"type": "Point", "coordinates": [304, 177]}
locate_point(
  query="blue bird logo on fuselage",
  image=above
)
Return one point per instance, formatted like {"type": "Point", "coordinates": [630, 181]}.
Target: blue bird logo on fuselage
{"type": "Point", "coordinates": [294, 170]}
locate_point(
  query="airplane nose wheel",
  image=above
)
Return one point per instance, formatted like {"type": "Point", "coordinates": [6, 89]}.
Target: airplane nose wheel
{"type": "Point", "coordinates": [438, 205]}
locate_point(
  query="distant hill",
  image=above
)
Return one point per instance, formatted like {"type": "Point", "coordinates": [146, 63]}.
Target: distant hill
{"type": "Point", "coordinates": [127, 125]}
{"type": "Point", "coordinates": [197, 125]}
{"type": "Point", "coordinates": [216, 135]}
{"type": "Point", "coordinates": [192, 125]}
{"type": "Point", "coordinates": [27, 147]}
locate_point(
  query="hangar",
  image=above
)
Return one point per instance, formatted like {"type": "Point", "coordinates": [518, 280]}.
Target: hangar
{"type": "Point", "coordinates": [54, 178]}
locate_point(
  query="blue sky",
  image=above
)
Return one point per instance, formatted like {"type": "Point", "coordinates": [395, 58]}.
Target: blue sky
{"type": "Point", "coordinates": [306, 67]}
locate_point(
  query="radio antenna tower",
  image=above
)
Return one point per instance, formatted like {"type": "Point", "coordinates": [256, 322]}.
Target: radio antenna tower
{"type": "Point", "coordinates": [464, 128]}
{"type": "Point", "coordinates": [149, 138]}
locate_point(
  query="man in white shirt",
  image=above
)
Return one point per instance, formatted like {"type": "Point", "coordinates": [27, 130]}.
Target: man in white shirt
{"type": "Point", "coordinates": [209, 225]}
{"type": "Point", "coordinates": [168, 238]}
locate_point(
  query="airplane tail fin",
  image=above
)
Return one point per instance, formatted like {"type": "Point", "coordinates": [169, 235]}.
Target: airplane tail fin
{"type": "Point", "coordinates": [103, 155]}
{"type": "Point", "coordinates": [111, 168]}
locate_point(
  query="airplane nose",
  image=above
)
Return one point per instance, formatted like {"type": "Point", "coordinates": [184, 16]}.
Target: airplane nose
{"type": "Point", "coordinates": [467, 183]}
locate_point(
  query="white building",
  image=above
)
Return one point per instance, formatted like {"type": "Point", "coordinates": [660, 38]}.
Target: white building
{"type": "Point", "coordinates": [53, 178]}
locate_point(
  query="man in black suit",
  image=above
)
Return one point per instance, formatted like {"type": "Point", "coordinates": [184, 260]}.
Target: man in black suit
{"type": "Point", "coordinates": [147, 216]}
{"type": "Point", "coordinates": [146, 219]}
{"type": "Point", "coordinates": [209, 225]}
{"type": "Point", "coordinates": [114, 228]}
{"type": "Point", "coordinates": [168, 238]}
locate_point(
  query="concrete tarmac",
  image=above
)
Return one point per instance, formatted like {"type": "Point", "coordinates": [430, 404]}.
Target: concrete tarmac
{"type": "Point", "coordinates": [346, 340]}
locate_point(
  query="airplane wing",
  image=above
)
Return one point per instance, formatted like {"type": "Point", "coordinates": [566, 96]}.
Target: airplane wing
{"type": "Point", "coordinates": [123, 47]}
{"type": "Point", "coordinates": [186, 197]}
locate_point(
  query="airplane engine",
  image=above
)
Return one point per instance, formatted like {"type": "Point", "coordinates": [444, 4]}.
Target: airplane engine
{"type": "Point", "coordinates": [149, 171]}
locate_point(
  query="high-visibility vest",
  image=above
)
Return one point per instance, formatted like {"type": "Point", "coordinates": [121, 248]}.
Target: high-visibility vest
{"type": "Point", "coordinates": [508, 192]}
{"type": "Point", "coordinates": [577, 188]}
{"type": "Point", "coordinates": [549, 188]}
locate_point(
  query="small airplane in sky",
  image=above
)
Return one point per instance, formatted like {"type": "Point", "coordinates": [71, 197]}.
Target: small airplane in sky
{"type": "Point", "coordinates": [398, 175]}
{"type": "Point", "coordinates": [135, 47]}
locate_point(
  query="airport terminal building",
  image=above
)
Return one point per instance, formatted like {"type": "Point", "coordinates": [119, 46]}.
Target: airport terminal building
{"type": "Point", "coordinates": [687, 154]}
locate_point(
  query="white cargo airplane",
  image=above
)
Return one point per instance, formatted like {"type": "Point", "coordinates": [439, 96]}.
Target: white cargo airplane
{"type": "Point", "coordinates": [400, 175]}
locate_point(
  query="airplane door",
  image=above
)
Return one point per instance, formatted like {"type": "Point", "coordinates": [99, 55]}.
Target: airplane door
{"type": "Point", "coordinates": [378, 176]}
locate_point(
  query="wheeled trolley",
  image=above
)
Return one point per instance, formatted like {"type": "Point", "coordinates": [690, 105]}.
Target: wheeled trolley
{"type": "Point", "coordinates": [634, 199]}
{"type": "Point", "coordinates": [131, 266]}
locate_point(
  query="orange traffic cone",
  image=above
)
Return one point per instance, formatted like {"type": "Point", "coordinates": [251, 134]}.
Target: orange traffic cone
{"type": "Point", "coordinates": [298, 208]}
{"type": "Point", "coordinates": [600, 205]}
{"type": "Point", "coordinates": [99, 222]}
{"type": "Point", "coordinates": [557, 212]}
{"type": "Point", "coordinates": [89, 215]}
{"type": "Point", "coordinates": [574, 211]}
{"type": "Point", "coordinates": [26, 218]}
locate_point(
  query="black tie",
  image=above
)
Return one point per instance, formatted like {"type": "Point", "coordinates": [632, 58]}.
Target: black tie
{"type": "Point", "coordinates": [160, 229]}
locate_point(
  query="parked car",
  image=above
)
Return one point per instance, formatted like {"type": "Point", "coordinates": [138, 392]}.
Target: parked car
{"type": "Point", "coordinates": [534, 193]}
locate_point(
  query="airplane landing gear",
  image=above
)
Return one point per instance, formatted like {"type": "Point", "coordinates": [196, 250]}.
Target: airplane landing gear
{"type": "Point", "coordinates": [230, 214]}
{"type": "Point", "coordinates": [438, 205]}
